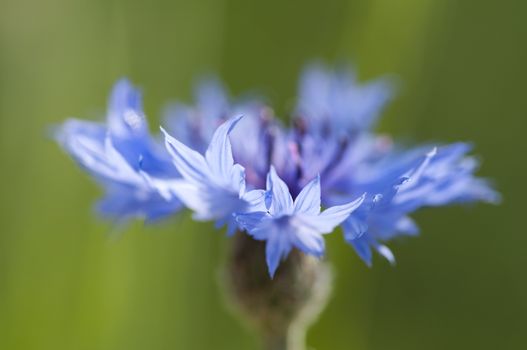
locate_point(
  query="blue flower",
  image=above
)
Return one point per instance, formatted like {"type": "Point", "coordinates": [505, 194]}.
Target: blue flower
{"type": "Point", "coordinates": [118, 154]}
{"type": "Point", "coordinates": [330, 156]}
{"type": "Point", "coordinates": [289, 224]}
{"type": "Point", "coordinates": [213, 186]}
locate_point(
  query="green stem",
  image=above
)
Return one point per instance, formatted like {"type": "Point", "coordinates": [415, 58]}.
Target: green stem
{"type": "Point", "coordinates": [282, 308]}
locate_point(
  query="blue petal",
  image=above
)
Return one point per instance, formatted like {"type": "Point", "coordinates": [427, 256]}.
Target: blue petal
{"type": "Point", "coordinates": [282, 202]}
{"type": "Point", "coordinates": [362, 247]}
{"type": "Point", "coordinates": [308, 240]}
{"type": "Point", "coordinates": [276, 249]}
{"type": "Point", "coordinates": [219, 153]}
{"type": "Point", "coordinates": [354, 227]}
{"type": "Point", "coordinates": [188, 193]}
{"type": "Point", "coordinates": [230, 222]}
{"type": "Point", "coordinates": [255, 200]}
{"type": "Point", "coordinates": [212, 99]}
{"type": "Point", "coordinates": [236, 179]}
{"type": "Point", "coordinates": [122, 203]}
{"type": "Point", "coordinates": [416, 174]}
{"type": "Point", "coordinates": [232, 226]}
{"type": "Point", "coordinates": [334, 216]}
{"type": "Point", "coordinates": [251, 221]}
{"type": "Point", "coordinates": [125, 112]}
{"type": "Point", "coordinates": [190, 164]}
{"type": "Point", "coordinates": [84, 141]}
{"type": "Point", "coordinates": [308, 200]}
{"type": "Point", "coordinates": [338, 101]}
{"type": "Point", "coordinates": [93, 149]}
{"type": "Point", "coordinates": [251, 142]}
{"type": "Point", "coordinates": [385, 252]}
{"type": "Point", "coordinates": [406, 225]}
{"type": "Point", "coordinates": [207, 202]}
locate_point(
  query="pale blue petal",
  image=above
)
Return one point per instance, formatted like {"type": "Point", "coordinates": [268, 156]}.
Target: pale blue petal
{"type": "Point", "coordinates": [230, 222]}
{"type": "Point", "coordinates": [219, 204]}
{"type": "Point", "coordinates": [219, 153]}
{"type": "Point", "coordinates": [255, 200]}
{"type": "Point", "coordinates": [212, 99]}
{"type": "Point", "coordinates": [232, 226]}
{"type": "Point", "coordinates": [84, 141]}
{"type": "Point", "coordinates": [354, 227]}
{"type": "Point", "coordinates": [73, 128]}
{"type": "Point", "coordinates": [122, 203]}
{"type": "Point", "coordinates": [285, 155]}
{"type": "Point", "coordinates": [362, 247]}
{"type": "Point", "coordinates": [336, 100]}
{"type": "Point", "coordinates": [237, 179]}
{"type": "Point", "coordinates": [95, 152]}
{"type": "Point", "coordinates": [282, 202]}
{"type": "Point", "coordinates": [308, 200]}
{"type": "Point", "coordinates": [277, 248]}
{"type": "Point", "coordinates": [190, 194]}
{"type": "Point", "coordinates": [308, 240]}
{"type": "Point", "coordinates": [251, 221]}
{"type": "Point", "coordinates": [385, 252]}
{"type": "Point", "coordinates": [407, 225]}
{"type": "Point", "coordinates": [125, 111]}
{"type": "Point", "coordinates": [207, 203]}
{"type": "Point", "coordinates": [416, 174]}
{"type": "Point", "coordinates": [251, 142]}
{"type": "Point", "coordinates": [332, 217]}
{"type": "Point", "coordinates": [121, 167]}
{"type": "Point", "coordinates": [364, 244]}
{"type": "Point", "coordinates": [189, 163]}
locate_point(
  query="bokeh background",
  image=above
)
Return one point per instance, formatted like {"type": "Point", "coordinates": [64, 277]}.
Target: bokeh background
{"type": "Point", "coordinates": [64, 284]}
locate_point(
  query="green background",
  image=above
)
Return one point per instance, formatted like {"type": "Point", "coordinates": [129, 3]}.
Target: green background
{"type": "Point", "coordinates": [64, 284]}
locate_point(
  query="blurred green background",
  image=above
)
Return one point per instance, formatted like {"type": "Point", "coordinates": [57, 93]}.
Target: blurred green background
{"type": "Point", "coordinates": [64, 284]}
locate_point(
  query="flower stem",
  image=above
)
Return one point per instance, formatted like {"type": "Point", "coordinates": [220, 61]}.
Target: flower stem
{"type": "Point", "coordinates": [280, 309]}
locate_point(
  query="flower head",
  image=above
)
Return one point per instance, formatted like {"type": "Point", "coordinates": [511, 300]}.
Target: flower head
{"type": "Point", "coordinates": [289, 223]}
{"type": "Point", "coordinates": [217, 165]}
{"type": "Point", "coordinates": [117, 154]}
